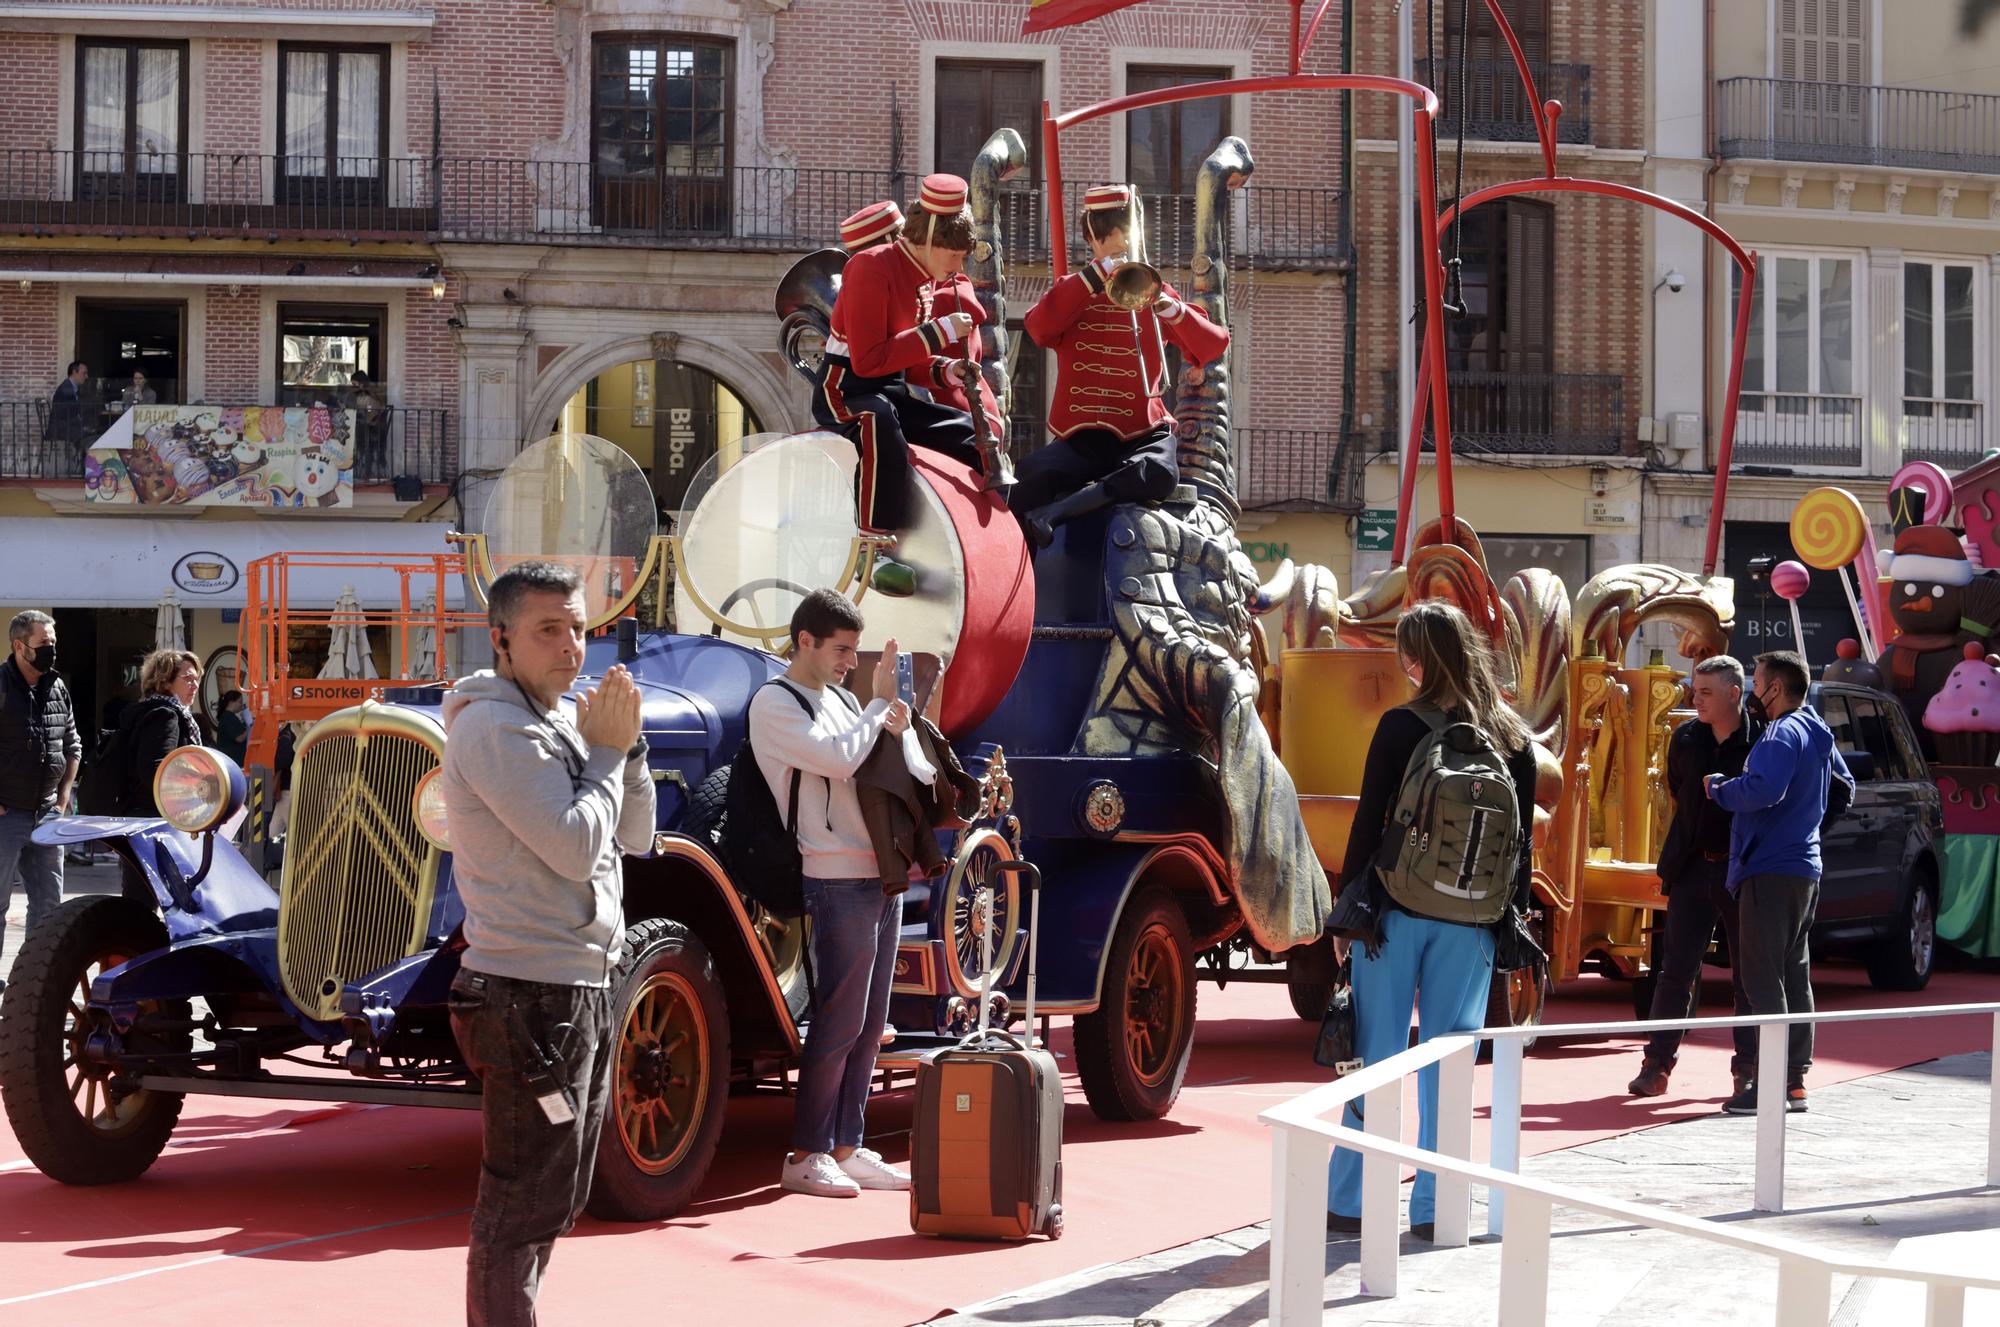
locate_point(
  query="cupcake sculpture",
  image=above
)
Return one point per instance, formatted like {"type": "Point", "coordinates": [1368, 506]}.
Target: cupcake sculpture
{"type": "Point", "coordinates": [1965, 714]}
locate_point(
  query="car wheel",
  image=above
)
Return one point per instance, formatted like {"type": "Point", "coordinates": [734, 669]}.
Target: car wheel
{"type": "Point", "coordinates": [1132, 1050]}
{"type": "Point", "coordinates": [73, 1123]}
{"type": "Point", "coordinates": [669, 1074]}
{"type": "Point", "coordinates": [1902, 960]}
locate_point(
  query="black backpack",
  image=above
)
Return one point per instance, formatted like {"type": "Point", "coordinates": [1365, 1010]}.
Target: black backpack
{"type": "Point", "coordinates": [100, 789]}
{"type": "Point", "coordinates": [761, 851]}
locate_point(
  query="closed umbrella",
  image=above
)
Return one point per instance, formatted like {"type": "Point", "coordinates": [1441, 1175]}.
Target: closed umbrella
{"type": "Point", "coordinates": [347, 654]}
{"type": "Point", "coordinates": [169, 627]}
{"type": "Point", "coordinates": [423, 648]}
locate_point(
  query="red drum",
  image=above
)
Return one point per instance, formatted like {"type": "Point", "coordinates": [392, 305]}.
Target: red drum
{"type": "Point", "coordinates": [774, 520]}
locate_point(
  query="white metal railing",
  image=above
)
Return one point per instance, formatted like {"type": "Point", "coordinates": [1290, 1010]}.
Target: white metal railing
{"type": "Point", "coordinates": [1519, 1209]}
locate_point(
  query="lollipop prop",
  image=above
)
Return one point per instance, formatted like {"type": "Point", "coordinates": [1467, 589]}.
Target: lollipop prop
{"type": "Point", "coordinates": [1829, 530]}
{"type": "Point", "coordinates": [1789, 581]}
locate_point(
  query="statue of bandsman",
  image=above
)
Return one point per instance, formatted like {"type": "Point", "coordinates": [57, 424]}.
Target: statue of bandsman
{"type": "Point", "coordinates": [1113, 438]}
{"type": "Point", "coordinates": [885, 326]}
{"type": "Point", "coordinates": [880, 223]}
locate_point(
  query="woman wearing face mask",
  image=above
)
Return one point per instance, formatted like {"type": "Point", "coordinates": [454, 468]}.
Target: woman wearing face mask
{"type": "Point", "coordinates": [157, 723]}
{"type": "Point", "coordinates": [1442, 968]}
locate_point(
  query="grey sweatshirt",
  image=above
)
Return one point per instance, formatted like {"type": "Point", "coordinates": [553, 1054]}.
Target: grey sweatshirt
{"type": "Point", "coordinates": [537, 821]}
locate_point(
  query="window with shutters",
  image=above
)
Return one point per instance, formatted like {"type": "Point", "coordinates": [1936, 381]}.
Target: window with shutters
{"type": "Point", "coordinates": [1801, 395]}
{"type": "Point", "coordinates": [1822, 62]}
{"type": "Point", "coordinates": [1501, 351]}
{"type": "Point", "coordinates": [131, 119]}
{"type": "Point", "coordinates": [1164, 149]}
{"type": "Point", "coordinates": [1496, 101]}
{"type": "Point", "coordinates": [975, 98]}
{"type": "Point", "coordinates": [1942, 385]}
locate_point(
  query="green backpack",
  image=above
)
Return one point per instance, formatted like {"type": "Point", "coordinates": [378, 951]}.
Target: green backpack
{"type": "Point", "coordinates": [1452, 850]}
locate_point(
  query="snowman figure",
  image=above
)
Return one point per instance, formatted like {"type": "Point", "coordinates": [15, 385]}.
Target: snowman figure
{"type": "Point", "coordinates": [319, 478]}
{"type": "Point", "coordinates": [1927, 600]}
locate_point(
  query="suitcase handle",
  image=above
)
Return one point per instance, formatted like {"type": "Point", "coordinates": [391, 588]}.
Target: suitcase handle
{"type": "Point", "coordinates": [1034, 874]}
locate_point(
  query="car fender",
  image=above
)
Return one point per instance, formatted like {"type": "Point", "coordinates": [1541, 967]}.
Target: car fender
{"type": "Point", "coordinates": [682, 881]}
{"type": "Point", "coordinates": [229, 895]}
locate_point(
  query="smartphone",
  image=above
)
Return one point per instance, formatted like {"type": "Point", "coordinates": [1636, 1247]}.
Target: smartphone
{"type": "Point", "coordinates": [906, 680]}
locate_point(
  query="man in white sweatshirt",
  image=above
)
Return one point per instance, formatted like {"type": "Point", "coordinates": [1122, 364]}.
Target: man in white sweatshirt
{"type": "Point", "coordinates": [539, 809]}
{"type": "Point", "coordinates": [806, 722]}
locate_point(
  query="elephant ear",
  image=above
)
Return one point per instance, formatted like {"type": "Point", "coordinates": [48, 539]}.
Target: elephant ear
{"type": "Point", "coordinates": [1450, 573]}
{"type": "Point", "coordinates": [1536, 604]}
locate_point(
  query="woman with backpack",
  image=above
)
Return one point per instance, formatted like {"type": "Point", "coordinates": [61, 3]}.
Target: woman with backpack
{"type": "Point", "coordinates": [1441, 847]}
{"type": "Point", "coordinates": [157, 724]}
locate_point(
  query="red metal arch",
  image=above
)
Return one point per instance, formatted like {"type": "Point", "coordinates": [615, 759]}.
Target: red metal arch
{"type": "Point", "coordinates": [1425, 109]}
{"type": "Point", "coordinates": [1746, 262]}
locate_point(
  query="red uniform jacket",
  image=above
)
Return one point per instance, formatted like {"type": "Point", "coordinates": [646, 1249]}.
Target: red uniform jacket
{"type": "Point", "coordinates": [1099, 382]}
{"type": "Point", "coordinates": [883, 314]}
{"type": "Point", "coordinates": [948, 297]}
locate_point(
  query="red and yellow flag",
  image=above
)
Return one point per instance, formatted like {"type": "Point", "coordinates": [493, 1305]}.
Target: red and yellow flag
{"type": "Point", "coordinates": [1046, 14]}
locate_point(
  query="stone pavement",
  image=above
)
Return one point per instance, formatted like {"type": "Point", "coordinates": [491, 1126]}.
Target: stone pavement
{"type": "Point", "coordinates": [1887, 1168]}
{"type": "Point", "coordinates": [99, 877]}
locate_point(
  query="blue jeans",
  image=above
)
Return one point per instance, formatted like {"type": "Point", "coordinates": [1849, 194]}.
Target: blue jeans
{"type": "Point", "coordinates": [1446, 971]}
{"type": "Point", "coordinates": [41, 868]}
{"type": "Point", "coordinates": [854, 930]}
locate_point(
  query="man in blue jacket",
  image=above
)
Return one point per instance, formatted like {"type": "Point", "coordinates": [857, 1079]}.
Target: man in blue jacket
{"type": "Point", "coordinates": [1774, 867]}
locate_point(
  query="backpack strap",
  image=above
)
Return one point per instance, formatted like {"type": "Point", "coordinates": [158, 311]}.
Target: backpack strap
{"type": "Point", "coordinates": [792, 819]}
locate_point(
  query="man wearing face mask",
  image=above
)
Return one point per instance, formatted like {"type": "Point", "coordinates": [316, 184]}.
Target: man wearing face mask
{"type": "Point", "coordinates": [40, 749]}
{"type": "Point", "coordinates": [1779, 801]}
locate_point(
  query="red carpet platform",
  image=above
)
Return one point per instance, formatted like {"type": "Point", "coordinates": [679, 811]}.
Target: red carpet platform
{"type": "Point", "coordinates": [315, 1217]}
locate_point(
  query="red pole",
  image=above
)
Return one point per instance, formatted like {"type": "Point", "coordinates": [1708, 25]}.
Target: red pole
{"type": "Point", "coordinates": [1052, 158]}
{"type": "Point", "coordinates": [1297, 54]}
{"type": "Point", "coordinates": [1413, 450]}
{"type": "Point", "coordinates": [1726, 442]}
{"type": "Point", "coordinates": [1434, 320]}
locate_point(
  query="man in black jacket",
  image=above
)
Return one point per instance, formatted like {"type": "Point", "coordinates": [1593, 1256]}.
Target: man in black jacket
{"type": "Point", "coordinates": [39, 753]}
{"type": "Point", "coordinates": [1694, 866]}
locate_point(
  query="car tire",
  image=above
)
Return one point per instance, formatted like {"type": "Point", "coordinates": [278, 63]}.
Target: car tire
{"type": "Point", "coordinates": [1132, 1050]}
{"type": "Point", "coordinates": [706, 807]}
{"type": "Point", "coordinates": [59, 1107]}
{"type": "Point", "coordinates": [1904, 958]}
{"type": "Point", "coordinates": [669, 1076]}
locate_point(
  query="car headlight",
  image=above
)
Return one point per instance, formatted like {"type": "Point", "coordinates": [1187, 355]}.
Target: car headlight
{"type": "Point", "coordinates": [197, 788]}
{"type": "Point", "coordinates": [427, 803]}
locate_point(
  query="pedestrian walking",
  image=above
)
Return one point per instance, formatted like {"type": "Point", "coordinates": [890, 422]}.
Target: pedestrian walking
{"type": "Point", "coordinates": [810, 736]}
{"type": "Point", "coordinates": [1778, 804]}
{"type": "Point", "coordinates": [232, 725]}
{"type": "Point", "coordinates": [539, 809]}
{"type": "Point", "coordinates": [1433, 945]}
{"type": "Point", "coordinates": [1694, 870]}
{"type": "Point", "coordinates": [40, 749]}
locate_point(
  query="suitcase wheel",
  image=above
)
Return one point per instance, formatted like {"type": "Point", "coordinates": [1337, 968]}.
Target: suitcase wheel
{"type": "Point", "coordinates": [1053, 1225]}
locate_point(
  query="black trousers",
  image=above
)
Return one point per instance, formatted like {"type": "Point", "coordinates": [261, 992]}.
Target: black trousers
{"type": "Point", "coordinates": [1142, 470]}
{"type": "Point", "coordinates": [533, 1175]}
{"type": "Point", "coordinates": [884, 418]}
{"type": "Point", "coordinates": [1697, 901]}
{"type": "Point", "coordinates": [1774, 919]}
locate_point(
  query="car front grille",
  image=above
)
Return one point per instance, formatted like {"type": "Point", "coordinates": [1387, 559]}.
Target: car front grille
{"type": "Point", "coordinates": [359, 874]}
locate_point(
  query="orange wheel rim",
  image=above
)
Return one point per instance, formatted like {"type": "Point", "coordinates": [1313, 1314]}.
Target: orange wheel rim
{"type": "Point", "coordinates": [1153, 991]}
{"type": "Point", "coordinates": [661, 1079]}
{"type": "Point", "coordinates": [90, 1092]}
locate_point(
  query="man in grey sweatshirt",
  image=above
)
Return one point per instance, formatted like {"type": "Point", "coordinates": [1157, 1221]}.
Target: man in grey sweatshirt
{"type": "Point", "coordinates": [539, 809]}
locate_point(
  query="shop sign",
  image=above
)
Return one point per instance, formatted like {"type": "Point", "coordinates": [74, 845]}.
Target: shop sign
{"type": "Point", "coordinates": [1258, 550]}
{"type": "Point", "coordinates": [1616, 512]}
{"type": "Point", "coordinates": [224, 456]}
{"type": "Point", "coordinates": [1378, 530]}
{"type": "Point", "coordinates": [205, 573]}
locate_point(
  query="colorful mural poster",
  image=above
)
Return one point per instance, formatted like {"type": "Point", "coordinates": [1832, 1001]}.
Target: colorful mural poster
{"type": "Point", "coordinates": [224, 456]}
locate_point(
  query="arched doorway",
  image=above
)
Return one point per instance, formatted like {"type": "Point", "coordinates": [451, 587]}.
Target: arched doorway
{"type": "Point", "coordinates": [667, 415]}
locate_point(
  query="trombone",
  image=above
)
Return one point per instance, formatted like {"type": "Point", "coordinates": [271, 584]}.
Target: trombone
{"type": "Point", "coordinates": [1134, 285]}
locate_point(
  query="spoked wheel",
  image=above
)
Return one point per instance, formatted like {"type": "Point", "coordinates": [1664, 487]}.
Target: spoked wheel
{"type": "Point", "coordinates": [976, 867]}
{"type": "Point", "coordinates": [1132, 1050]}
{"type": "Point", "coordinates": [74, 1122]}
{"type": "Point", "coordinates": [669, 1073]}
{"type": "Point", "coordinates": [784, 945]}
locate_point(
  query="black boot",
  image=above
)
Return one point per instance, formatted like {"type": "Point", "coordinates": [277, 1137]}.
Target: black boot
{"type": "Point", "coordinates": [1041, 523]}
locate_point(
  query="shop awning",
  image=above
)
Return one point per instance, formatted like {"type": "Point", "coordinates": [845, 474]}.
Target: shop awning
{"type": "Point", "coordinates": [71, 562]}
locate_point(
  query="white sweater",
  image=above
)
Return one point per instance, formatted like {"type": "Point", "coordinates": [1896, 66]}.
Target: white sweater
{"type": "Point", "coordinates": [827, 748]}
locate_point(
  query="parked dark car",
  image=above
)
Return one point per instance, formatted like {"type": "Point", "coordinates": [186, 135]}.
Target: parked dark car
{"type": "Point", "coordinates": [1878, 897]}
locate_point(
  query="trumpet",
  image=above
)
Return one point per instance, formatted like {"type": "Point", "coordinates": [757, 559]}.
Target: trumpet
{"type": "Point", "coordinates": [1134, 285]}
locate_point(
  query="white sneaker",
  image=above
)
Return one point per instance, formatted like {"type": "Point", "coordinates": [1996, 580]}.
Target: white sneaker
{"type": "Point", "coordinates": [867, 1169]}
{"type": "Point", "coordinates": [818, 1174]}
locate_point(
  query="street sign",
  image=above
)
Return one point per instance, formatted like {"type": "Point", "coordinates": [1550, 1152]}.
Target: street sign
{"type": "Point", "coordinates": [1378, 530]}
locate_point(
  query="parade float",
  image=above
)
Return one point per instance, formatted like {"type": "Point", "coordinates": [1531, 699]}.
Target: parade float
{"type": "Point", "coordinates": [1113, 695]}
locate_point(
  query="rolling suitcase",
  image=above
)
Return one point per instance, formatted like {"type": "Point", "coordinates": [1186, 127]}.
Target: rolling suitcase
{"type": "Point", "coordinates": [986, 1135]}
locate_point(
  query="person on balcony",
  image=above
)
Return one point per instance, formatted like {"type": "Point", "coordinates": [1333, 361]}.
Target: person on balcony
{"type": "Point", "coordinates": [885, 326]}
{"type": "Point", "coordinates": [1113, 437]}
{"type": "Point", "coordinates": [66, 417]}
{"type": "Point", "coordinates": [371, 432]}
{"type": "Point", "coordinates": [137, 392]}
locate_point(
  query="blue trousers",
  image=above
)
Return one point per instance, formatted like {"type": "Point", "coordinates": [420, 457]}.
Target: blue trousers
{"type": "Point", "coordinates": [1445, 970]}
{"type": "Point", "coordinates": [854, 931]}
{"type": "Point", "coordinates": [39, 868]}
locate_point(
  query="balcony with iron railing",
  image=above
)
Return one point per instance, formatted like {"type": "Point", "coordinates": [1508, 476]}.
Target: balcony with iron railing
{"type": "Point", "coordinates": [390, 442]}
{"type": "Point", "coordinates": [1783, 119]}
{"type": "Point", "coordinates": [1550, 414]}
{"type": "Point", "coordinates": [213, 195]}
{"type": "Point", "coordinates": [1951, 434]}
{"type": "Point", "coordinates": [1298, 470]}
{"type": "Point", "coordinates": [1496, 103]}
{"type": "Point", "coordinates": [1799, 429]}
